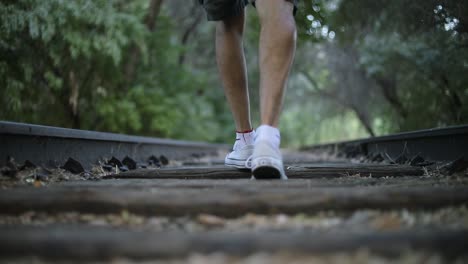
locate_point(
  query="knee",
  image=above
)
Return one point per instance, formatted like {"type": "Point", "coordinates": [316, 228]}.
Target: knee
{"type": "Point", "coordinates": [281, 19]}
{"type": "Point", "coordinates": [287, 25]}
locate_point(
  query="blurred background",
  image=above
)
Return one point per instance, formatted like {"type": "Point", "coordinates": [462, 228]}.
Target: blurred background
{"type": "Point", "coordinates": [147, 67]}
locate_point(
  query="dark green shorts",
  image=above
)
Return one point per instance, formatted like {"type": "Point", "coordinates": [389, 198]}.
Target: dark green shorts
{"type": "Point", "coordinates": [220, 9]}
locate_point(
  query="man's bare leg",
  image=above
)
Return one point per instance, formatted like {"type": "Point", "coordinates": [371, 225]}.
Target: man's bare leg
{"type": "Point", "coordinates": [232, 68]}
{"type": "Point", "coordinates": [277, 47]}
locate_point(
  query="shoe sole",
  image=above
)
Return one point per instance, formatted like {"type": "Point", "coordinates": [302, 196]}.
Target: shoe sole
{"type": "Point", "coordinates": [266, 172]}
{"type": "Point", "coordinates": [238, 164]}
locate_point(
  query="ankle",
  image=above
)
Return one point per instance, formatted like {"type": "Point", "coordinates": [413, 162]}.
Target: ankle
{"type": "Point", "coordinates": [244, 138]}
{"type": "Point", "coordinates": [269, 134]}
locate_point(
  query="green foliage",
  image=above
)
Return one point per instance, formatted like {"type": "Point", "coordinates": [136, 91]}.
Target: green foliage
{"type": "Point", "coordinates": [411, 55]}
{"type": "Point", "coordinates": [421, 48]}
{"type": "Point", "coordinates": [49, 48]}
{"type": "Point", "coordinates": [362, 67]}
{"type": "Point", "coordinates": [43, 43]}
{"type": "Point", "coordinates": [312, 20]}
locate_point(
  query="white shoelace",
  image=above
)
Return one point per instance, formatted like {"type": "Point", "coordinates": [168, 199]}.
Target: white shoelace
{"type": "Point", "coordinates": [248, 162]}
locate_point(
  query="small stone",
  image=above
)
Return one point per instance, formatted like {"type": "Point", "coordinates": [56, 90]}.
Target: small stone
{"type": "Point", "coordinates": [353, 150]}
{"type": "Point", "coordinates": [457, 165]}
{"type": "Point", "coordinates": [64, 177]}
{"type": "Point", "coordinates": [107, 167]}
{"type": "Point", "coordinates": [125, 215]}
{"type": "Point", "coordinates": [11, 163]}
{"type": "Point", "coordinates": [210, 220]}
{"type": "Point", "coordinates": [41, 175]}
{"type": "Point", "coordinates": [9, 172]}
{"type": "Point", "coordinates": [123, 168]}
{"type": "Point", "coordinates": [37, 183]}
{"type": "Point", "coordinates": [28, 165]}
{"type": "Point", "coordinates": [402, 159]}
{"type": "Point", "coordinates": [387, 222]}
{"type": "Point", "coordinates": [89, 176]}
{"type": "Point", "coordinates": [73, 166]}
{"type": "Point", "coordinates": [416, 160]}
{"type": "Point", "coordinates": [114, 162]}
{"type": "Point", "coordinates": [426, 163]}
{"type": "Point", "coordinates": [282, 219]}
{"type": "Point", "coordinates": [131, 164]}
{"type": "Point", "coordinates": [154, 161]}
{"type": "Point", "coordinates": [86, 175]}
{"type": "Point", "coordinates": [164, 160]}
{"type": "Point", "coordinates": [29, 180]}
{"type": "Point", "coordinates": [11, 168]}
{"type": "Point", "coordinates": [197, 155]}
{"type": "Point", "coordinates": [377, 157]}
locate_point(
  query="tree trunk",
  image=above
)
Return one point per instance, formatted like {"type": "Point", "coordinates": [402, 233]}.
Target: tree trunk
{"type": "Point", "coordinates": [150, 20]}
{"type": "Point", "coordinates": [153, 12]}
{"type": "Point", "coordinates": [363, 118]}
{"type": "Point", "coordinates": [73, 100]}
{"type": "Point", "coordinates": [389, 91]}
{"type": "Point", "coordinates": [454, 99]}
{"type": "Point", "coordinates": [190, 29]}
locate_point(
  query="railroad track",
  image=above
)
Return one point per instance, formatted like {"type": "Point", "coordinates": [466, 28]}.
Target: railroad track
{"type": "Point", "coordinates": [136, 198]}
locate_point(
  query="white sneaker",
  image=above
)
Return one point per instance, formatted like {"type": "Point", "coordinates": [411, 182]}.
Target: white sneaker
{"type": "Point", "coordinates": [266, 162]}
{"type": "Point", "coordinates": [238, 158]}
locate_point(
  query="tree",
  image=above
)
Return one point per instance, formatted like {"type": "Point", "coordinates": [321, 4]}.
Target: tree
{"type": "Point", "coordinates": [362, 68]}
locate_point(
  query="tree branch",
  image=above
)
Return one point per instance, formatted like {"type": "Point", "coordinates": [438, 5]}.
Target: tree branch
{"type": "Point", "coordinates": [363, 118]}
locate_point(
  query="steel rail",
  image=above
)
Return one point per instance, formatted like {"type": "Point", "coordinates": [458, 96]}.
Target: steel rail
{"type": "Point", "coordinates": [438, 144]}
{"type": "Point", "coordinates": [52, 146]}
